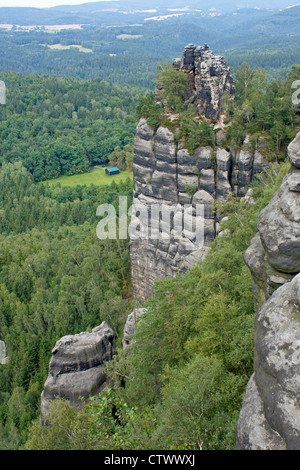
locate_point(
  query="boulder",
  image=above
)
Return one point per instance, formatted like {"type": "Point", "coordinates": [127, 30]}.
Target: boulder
{"type": "Point", "coordinates": [77, 367]}
{"type": "Point", "coordinates": [279, 226]}
{"type": "Point", "coordinates": [294, 151]}
{"type": "Point", "coordinates": [273, 256]}
{"type": "Point", "coordinates": [270, 416]}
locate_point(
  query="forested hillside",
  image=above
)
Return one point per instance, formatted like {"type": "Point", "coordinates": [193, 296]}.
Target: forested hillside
{"type": "Point", "coordinates": [181, 383]}
{"type": "Point", "coordinates": [114, 41]}
{"type": "Point", "coordinates": [63, 126]}
{"type": "Point", "coordinates": [56, 278]}
{"type": "Point", "coordinates": [73, 99]}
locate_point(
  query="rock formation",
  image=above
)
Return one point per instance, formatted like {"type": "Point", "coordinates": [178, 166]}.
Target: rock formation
{"type": "Point", "coordinates": [130, 326]}
{"type": "Point", "coordinates": [166, 175]}
{"type": "Point", "coordinates": [209, 78]}
{"type": "Point", "coordinates": [270, 415]}
{"type": "Point", "coordinates": [77, 367]}
{"type": "Point", "coordinates": [3, 358]}
{"type": "Point", "coordinates": [274, 254]}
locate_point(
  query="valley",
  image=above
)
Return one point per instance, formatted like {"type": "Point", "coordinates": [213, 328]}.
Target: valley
{"type": "Point", "coordinates": [167, 341]}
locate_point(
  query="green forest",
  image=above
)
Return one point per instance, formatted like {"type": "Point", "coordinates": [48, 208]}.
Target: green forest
{"type": "Point", "coordinates": [63, 126]}
{"type": "Point", "coordinates": [57, 278]}
{"type": "Point", "coordinates": [261, 37]}
{"type": "Point", "coordinates": [180, 384]}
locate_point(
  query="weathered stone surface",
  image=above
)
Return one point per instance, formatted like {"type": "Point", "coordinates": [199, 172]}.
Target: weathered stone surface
{"type": "Point", "coordinates": [3, 358]}
{"type": "Point", "coordinates": [77, 367]}
{"type": "Point", "coordinates": [270, 416]}
{"type": "Point", "coordinates": [203, 157]}
{"type": "Point", "coordinates": [209, 78]}
{"type": "Point", "coordinates": [279, 228]}
{"type": "Point", "coordinates": [144, 131]}
{"type": "Point", "coordinates": [254, 258]}
{"type": "Point", "coordinates": [130, 326]}
{"type": "Point", "coordinates": [274, 254]}
{"type": "Point", "coordinates": [207, 181]}
{"type": "Point", "coordinates": [164, 145]}
{"type": "Point", "coordinates": [166, 173]}
{"type": "Point", "coordinates": [259, 162]}
{"type": "Point", "coordinates": [253, 429]}
{"type": "Point", "coordinates": [294, 151]}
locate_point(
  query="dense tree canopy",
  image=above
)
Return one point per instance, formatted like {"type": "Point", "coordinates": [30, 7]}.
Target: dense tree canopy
{"type": "Point", "coordinates": [59, 126]}
{"type": "Point", "coordinates": [181, 382]}
{"type": "Point", "coordinates": [56, 278]}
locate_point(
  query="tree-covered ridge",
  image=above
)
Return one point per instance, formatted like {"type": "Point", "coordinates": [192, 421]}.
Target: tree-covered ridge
{"type": "Point", "coordinates": [56, 278]}
{"type": "Point", "coordinates": [63, 126]}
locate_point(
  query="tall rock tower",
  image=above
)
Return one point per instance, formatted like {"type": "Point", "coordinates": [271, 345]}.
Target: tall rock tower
{"type": "Point", "coordinates": [167, 175]}
{"type": "Point", "coordinates": [209, 78]}
{"type": "Point", "coordinates": [270, 415]}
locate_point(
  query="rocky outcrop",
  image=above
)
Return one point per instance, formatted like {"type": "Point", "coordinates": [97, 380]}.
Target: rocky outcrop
{"type": "Point", "coordinates": [3, 358]}
{"type": "Point", "coordinates": [274, 254]}
{"type": "Point", "coordinates": [130, 326]}
{"type": "Point", "coordinates": [209, 78]}
{"type": "Point", "coordinates": [270, 415]}
{"type": "Point", "coordinates": [167, 176]}
{"type": "Point", "coordinates": [173, 218]}
{"type": "Point", "coordinates": [77, 367]}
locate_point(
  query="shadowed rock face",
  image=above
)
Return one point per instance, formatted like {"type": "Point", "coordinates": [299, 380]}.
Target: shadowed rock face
{"type": "Point", "coordinates": [270, 415]}
{"type": "Point", "coordinates": [166, 174]}
{"type": "Point", "coordinates": [77, 367]}
{"type": "Point", "coordinates": [274, 253]}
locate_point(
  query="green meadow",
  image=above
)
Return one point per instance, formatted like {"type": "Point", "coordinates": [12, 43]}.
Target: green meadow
{"type": "Point", "coordinates": [96, 176]}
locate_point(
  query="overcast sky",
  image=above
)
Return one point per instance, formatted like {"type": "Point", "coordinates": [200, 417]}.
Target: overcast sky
{"type": "Point", "coordinates": [40, 3]}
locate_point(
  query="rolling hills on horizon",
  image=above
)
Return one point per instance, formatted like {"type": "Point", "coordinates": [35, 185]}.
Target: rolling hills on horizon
{"type": "Point", "coordinates": [101, 39]}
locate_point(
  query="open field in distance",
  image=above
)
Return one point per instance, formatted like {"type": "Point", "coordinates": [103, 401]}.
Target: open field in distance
{"type": "Point", "coordinates": [97, 177]}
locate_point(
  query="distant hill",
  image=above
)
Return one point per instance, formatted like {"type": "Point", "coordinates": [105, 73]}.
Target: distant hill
{"type": "Point", "coordinates": [122, 35]}
{"type": "Point", "coordinates": [124, 12]}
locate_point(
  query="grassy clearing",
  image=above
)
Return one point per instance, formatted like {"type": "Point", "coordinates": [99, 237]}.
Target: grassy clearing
{"type": "Point", "coordinates": [129, 36]}
{"type": "Point", "coordinates": [61, 47]}
{"type": "Point", "coordinates": [97, 177]}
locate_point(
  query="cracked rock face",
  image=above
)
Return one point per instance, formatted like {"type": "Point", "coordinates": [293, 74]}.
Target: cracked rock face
{"type": "Point", "coordinates": [187, 186]}
{"type": "Point", "coordinates": [3, 358]}
{"type": "Point", "coordinates": [209, 78]}
{"type": "Point", "coordinates": [270, 415]}
{"type": "Point", "coordinates": [165, 174]}
{"type": "Point", "coordinates": [77, 367]}
{"type": "Point", "coordinates": [274, 253]}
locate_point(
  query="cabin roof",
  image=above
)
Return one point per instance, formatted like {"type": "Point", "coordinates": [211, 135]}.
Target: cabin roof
{"type": "Point", "coordinates": [115, 168]}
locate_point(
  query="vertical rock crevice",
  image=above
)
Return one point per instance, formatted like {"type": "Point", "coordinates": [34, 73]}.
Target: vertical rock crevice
{"type": "Point", "coordinates": [166, 173]}
{"type": "Point", "coordinates": [270, 415]}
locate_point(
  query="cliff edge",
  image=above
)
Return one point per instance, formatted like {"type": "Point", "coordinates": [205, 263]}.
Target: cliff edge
{"type": "Point", "coordinates": [270, 415]}
{"type": "Point", "coordinates": [168, 175]}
